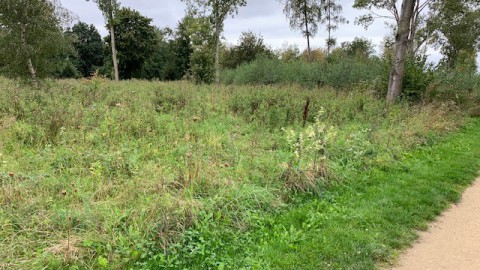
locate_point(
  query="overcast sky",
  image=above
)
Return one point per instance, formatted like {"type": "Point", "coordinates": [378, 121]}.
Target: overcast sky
{"type": "Point", "coordinates": [264, 17]}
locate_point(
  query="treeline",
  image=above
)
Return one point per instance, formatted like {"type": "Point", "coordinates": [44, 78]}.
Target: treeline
{"type": "Point", "coordinates": [35, 42]}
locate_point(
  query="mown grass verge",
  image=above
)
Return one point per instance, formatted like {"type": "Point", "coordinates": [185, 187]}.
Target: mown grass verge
{"type": "Point", "coordinates": [359, 224]}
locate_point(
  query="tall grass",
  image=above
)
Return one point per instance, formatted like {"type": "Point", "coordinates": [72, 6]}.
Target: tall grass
{"type": "Point", "coordinates": [101, 174]}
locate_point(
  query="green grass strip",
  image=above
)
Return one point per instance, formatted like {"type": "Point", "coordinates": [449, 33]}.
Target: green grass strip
{"type": "Point", "coordinates": [365, 222]}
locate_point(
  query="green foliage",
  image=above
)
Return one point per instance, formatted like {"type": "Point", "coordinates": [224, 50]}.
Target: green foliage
{"type": "Point", "coordinates": [359, 47]}
{"type": "Point", "coordinates": [309, 162]}
{"type": "Point", "coordinates": [454, 85]}
{"type": "Point", "coordinates": [332, 18]}
{"type": "Point", "coordinates": [341, 73]}
{"type": "Point", "coordinates": [67, 69]}
{"type": "Point", "coordinates": [289, 53]}
{"type": "Point", "coordinates": [161, 64]}
{"type": "Point", "coordinates": [135, 39]}
{"type": "Point", "coordinates": [250, 47]}
{"type": "Point", "coordinates": [365, 223]}
{"type": "Point", "coordinates": [303, 15]}
{"type": "Point", "coordinates": [418, 77]}
{"type": "Point", "coordinates": [455, 25]}
{"type": "Point", "coordinates": [171, 59]}
{"type": "Point", "coordinates": [217, 11]}
{"type": "Point", "coordinates": [372, 5]}
{"type": "Point", "coordinates": [89, 48]}
{"type": "Point", "coordinates": [183, 48]}
{"type": "Point", "coordinates": [29, 27]}
{"type": "Point", "coordinates": [109, 9]}
{"type": "Point", "coordinates": [200, 31]}
{"type": "Point", "coordinates": [202, 66]}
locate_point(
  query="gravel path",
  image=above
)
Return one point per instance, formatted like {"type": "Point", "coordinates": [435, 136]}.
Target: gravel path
{"type": "Point", "coordinates": [451, 242]}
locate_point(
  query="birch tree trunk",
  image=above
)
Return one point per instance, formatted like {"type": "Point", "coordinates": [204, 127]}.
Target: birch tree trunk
{"type": "Point", "coordinates": [217, 50]}
{"type": "Point", "coordinates": [114, 52]}
{"type": "Point", "coordinates": [33, 72]}
{"type": "Point", "coordinates": [23, 36]}
{"type": "Point", "coordinates": [31, 68]}
{"type": "Point", "coordinates": [329, 26]}
{"type": "Point", "coordinates": [415, 20]}
{"type": "Point", "coordinates": [309, 50]}
{"type": "Point", "coordinates": [110, 16]}
{"type": "Point", "coordinates": [400, 51]}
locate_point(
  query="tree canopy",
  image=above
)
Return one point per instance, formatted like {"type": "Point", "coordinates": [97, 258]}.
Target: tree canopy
{"type": "Point", "coordinates": [135, 41]}
{"type": "Point", "coordinates": [303, 15]}
{"type": "Point", "coordinates": [29, 27]}
{"type": "Point", "coordinates": [249, 48]}
{"type": "Point", "coordinates": [89, 48]}
{"type": "Point", "coordinates": [455, 26]}
{"type": "Point", "coordinates": [218, 10]}
{"type": "Point", "coordinates": [108, 9]}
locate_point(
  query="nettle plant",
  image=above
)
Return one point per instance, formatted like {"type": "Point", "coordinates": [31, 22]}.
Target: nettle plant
{"type": "Point", "coordinates": [308, 164]}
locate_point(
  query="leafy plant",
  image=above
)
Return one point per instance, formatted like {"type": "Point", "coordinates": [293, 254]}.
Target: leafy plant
{"type": "Point", "coordinates": [309, 162]}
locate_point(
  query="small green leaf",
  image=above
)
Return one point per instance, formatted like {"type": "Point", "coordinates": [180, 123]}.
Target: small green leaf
{"type": "Point", "coordinates": [102, 262]}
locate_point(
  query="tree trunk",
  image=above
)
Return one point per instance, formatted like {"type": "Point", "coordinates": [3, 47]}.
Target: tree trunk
{"type": "Point", "coordinates": [23, 36]}
{"type": "Point", "coordinates": [309, 50]}
{"type": "Point", "coordinates": [411, 41]}
{"type": "Point", "coordinates": [112, 40]}
{"type": "Point", "coordinates": [114, 52]}
{"type": "Point", "coordinates": [33, 72]}
{"type": "Point", "coordinates": [217, 50]}
{"type": "Point", "coordinates": [413, 29]}
{"type": "Point", "coordinates": [400, 51]}
{"type": "Point", "coordinates": [329, 28]}
{"type": "Point", "coordinates": [31, 68]}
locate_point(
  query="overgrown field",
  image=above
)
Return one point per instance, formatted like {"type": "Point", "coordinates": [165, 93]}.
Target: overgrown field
{"type": "Point", "coordinates": [96, 174]}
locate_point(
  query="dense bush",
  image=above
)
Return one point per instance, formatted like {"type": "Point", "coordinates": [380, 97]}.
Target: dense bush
{"type": "Point", "coordinates": [421, 79]}
{"type": "Point", "coordinates": [461, 87]}
{"type": "Point", "coordinates": [340, 73]}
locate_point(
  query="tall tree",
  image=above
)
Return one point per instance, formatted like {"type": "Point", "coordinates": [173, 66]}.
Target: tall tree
{"type": "Point", "coordinates": [136, 39]}
{"type": "Point", "coordinates": [455, 25]}
{"type": "Point", "coordinates": [219, 10]}
{"type": "Point", "coordinates": [332, 17]}
{"type": "Point", "coordinates": [183, 48]}
{"type": "Point", "coordinates": [201, 34]}
{"type": "Point", "coordinates": [88, 45]}
{"type": "Point", "coordinates": [29, 27]}
{"type": "Point", "coordinates": [164, 63]}
{"type": "Point", "coordinates": [108, 9]}
{"type": "Point", "coordinates": [304, 15]}
{"type": "Point", "coordinates": [407, 20]}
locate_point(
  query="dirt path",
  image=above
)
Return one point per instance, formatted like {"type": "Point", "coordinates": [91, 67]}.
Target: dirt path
{"type": "Point", "coordinates": [452, 242]}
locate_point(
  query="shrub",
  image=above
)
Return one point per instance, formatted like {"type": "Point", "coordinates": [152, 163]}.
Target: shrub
{"type": "Point", "coordinates": [458, 86]}
{"type": "Point", "coordinates": [309, 161]}
{"type": "Point", "coordinates": [341, 73]}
